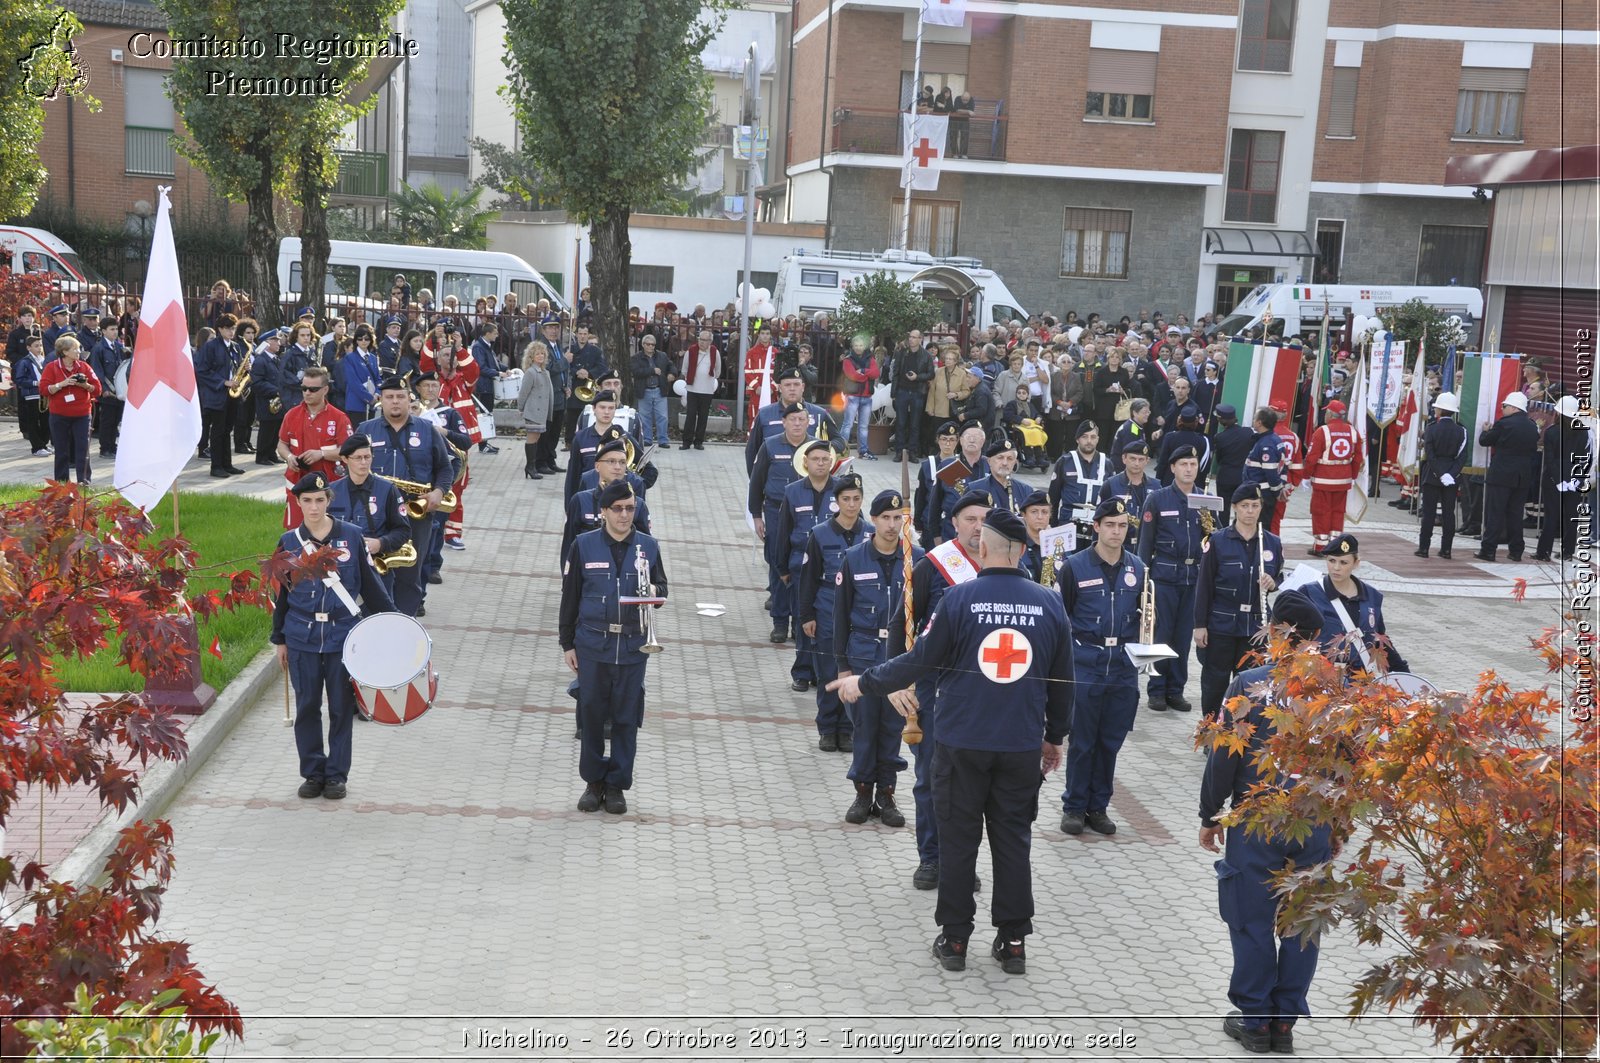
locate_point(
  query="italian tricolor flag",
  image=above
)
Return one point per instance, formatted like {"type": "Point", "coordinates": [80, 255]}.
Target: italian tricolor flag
{"type": "Point", "coordinates": [1485, 382]}
{"type": "Point", "coordinates": [1259, 376]}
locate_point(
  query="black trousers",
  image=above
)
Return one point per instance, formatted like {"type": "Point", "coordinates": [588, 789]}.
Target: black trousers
{"type": "Point", "coordinates": [267, 437]}
{"type": "Point", "coordinates": [408, 582]}
{"type": "Point", "coordinates": [569, 426]}
{"type": "Point", "coordinates": [110, 422]}
{"type": "Point", "coordinates": [1436, 496]}
{"type": "Point", "coordinates": [974, 790]}
{"type": "Point", "coordinates": [70, 437]}
{"type": "Point", "coordinates": [34, 423]}
{"type": "Point", "coordinates": [1472, 505]}
{"type": "Point", "coordinates": [214, 436]}
{"type": "Point", "coordinates": [546, 454]}
{"type": "Point", "coordinates": [1226, 491]}
{"type": "Point", "coordinates": [1502, 519]}
{"type": "Point", "coordinates": [1219, 663]}
{"type": "Point", "coordinates": [908, 422]}
{"type": "Point", "coordinates": [1560, 519]}
{"type": "Point", "coordinates": [240, 413]}
{"type": "Point", "coordinates": [694, 425]}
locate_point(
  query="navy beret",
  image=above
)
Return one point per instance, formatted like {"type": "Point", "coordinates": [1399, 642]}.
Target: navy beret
{"type": "Point", "coordinates": [1188, 450]}
{"type": "Point", "coordinates": [1300, 612]}
{"type": "Point", "coordinates": [1038, 498]}
{"type": "Point", "coordinates": [1085, 427]}
{"type": "Point", "coordinates": [1189, 412]}
{"type": "Point", "coordinates": [354, 443]}
{"type": "Point", "coordinates": [611, 446]}
{"type": "Point", "coordinates": [1226, 412]}
{"type": "Point", "coordinates": [1003, 446]}
{"type": "Point", "coordinates": [311, 481]}
{"type": "Point", "coordinates": [796, 407]}
{"type": "Point", "coordinates": [614, 492]}
{"type": "Point", "coordinates": [1007, 524]}
{"type": "Point", "coordinates": [1111, 507]}
{"type": "Point", "coordinates": [1342, 546]}
{"type": "Point", "coordinates": [605, 396]}
{"type": "Point", "coordinates": [1139, 447]}
{"type": "Point", "coordinates": [850, 481]}
{"type": "Point", "coordinates": [949, 428]}
{"type": "Point", "coordinates": [885, 502]}
{"type": "Point", "coordinates": [392, 383]}
{"type": "Point", "coordinates": [790, 374]}
{"type": "Point", "coordinates": [1247, 493]}
{"type": "Point", "coordinates": [971, 498]}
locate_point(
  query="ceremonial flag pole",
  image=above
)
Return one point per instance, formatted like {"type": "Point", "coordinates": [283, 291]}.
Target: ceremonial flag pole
{"type": "Point", "coordinates": [910, 128]}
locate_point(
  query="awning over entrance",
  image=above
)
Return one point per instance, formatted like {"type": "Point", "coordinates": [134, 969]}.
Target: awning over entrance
{"type": "Point", "coordinates": [958, 282]}
{"type": "Point", "coordinates": [1241, 242]}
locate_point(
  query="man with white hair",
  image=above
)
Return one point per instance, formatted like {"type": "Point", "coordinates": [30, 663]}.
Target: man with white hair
{"type": "Point", "coordinates": [1515, 439]}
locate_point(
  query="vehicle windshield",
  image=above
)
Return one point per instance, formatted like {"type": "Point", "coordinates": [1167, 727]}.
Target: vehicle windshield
{"type": "Point", "coordinates": [1233, 324]}
{"type": "Point", "coordinates": [88, 272]}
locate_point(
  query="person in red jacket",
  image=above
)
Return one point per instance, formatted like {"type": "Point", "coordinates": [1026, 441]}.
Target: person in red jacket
{"type": "Point", "coordinates": [760, 374]}
{"type": "Point", "coordinates": [71, 388]}
{"type": "Point", "coordinates": [458, 379]}
{"type": "Point", "coordinates": [1331, 466]}
{"type": "Point", "coordinates": [1294, 469]}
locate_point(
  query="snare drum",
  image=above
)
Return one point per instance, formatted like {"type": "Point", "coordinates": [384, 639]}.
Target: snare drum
{"type": "Point", "coordinates": [387, 656]}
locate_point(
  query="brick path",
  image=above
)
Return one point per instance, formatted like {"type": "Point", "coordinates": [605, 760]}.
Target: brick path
{"type": "Point", "coordinates": [458, 881]}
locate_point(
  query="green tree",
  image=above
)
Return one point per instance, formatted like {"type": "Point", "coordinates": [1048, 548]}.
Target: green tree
{"type": "Point", "coordinates": [1412, 320]}
{"type": "Point", "coordinates": [884, 309]}
{"type": "Point", "coordinates": [430, 215]}
{"type": "Point", "coordinates": [37, 63]}
{"type": "Point", "coordinates": [611, 98]}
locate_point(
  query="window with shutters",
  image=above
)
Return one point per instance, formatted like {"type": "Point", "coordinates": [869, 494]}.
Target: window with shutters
{"type": "Point", "coordinates": [1253, 162]}
{"type": "Point", "coordinates": [1489, 103]}
{"type": "Point", "coordinates": [1342, 102]}
{"type": "Point", "coordinates": [147, 123]}
{"type": "Point", "coordinates": [1094, 243]}
{"type": "Point", "coordinates": [935, 224]}
{"type": "Point", "coordinates": [1122, 85]}
{"type": "Point", "coordinates": [1451, 254]}
{"type": "Point", "coordinates": [1266, 35]}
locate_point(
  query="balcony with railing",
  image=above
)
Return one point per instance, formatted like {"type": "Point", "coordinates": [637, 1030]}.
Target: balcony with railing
{"type": "Point", "coordinates": [363, 174]}
{"type": "Point", "coordinates": [880, 131]}
{"type": "Point", "coordinates": [148, 151]}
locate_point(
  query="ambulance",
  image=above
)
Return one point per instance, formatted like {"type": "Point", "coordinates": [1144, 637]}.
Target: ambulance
{"type": "Point", "coordinates": [1299, 308]}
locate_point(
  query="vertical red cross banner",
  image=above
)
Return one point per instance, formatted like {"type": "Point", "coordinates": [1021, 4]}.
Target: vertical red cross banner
{"type": "Point", "coordinates": [944, 12]}
{"type": "Point", "coordinates": [161, 423]}
{"type": "Point", "coordinates": [924, 150]}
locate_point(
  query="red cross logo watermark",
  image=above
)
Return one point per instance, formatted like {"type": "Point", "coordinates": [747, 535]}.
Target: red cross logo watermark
{"type": "Point", "coordinates": [924, 152]}
{"type": "Point", "coordinates": [1005, 655]}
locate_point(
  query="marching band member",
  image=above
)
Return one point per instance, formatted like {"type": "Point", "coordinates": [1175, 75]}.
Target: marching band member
{"type": "Point", "coordinates": [1035, 515]}
{"type": "Point", "coordinates": [431, 409]}
{"type": "Point", "coordinates": [943, 497]}
{"type": "Point", "coordinates": [773, 472]}
{"type": "Point", "coordinates": [1169, 545]}
{"type": "Point", "coordinates": [1132, 485]}
{"type": "Point", "coordinates": [869, 628]}
{"type": "Point", "coordinates": [26, 371]}
{"type": "Point", "coordinates": [806, 503]}
{"type": "Point", "coordinates": [1101, 588]}
{"type": "Point", "coordinates": [106, 358]}
{"type": "Point", "coordinates": [602, 641]}
{"type": "Point", "coordinates": [1003, 490]}
{"type": "Point", "coordinates": [1352, 612]}
{"type": "Point", "coordinates": [1239, 566]}
{"type": "Point", "coordinates": [1294, 469]}
{"type": "Point", "coordinates": [1444, 451]}
{"type": "Point", "coordinates": [814, 593]}
{"type": "Point", "coordinates": [60, 325]}
{"type": "Point", "coordinates": [1267, 465]}
{"type": "Point", "coordinates": [309, 437]}
{"type": "Point", "coordinates": [213, 372]}
{"type": "Point", "coordinates": [405, 448]}
{"type": "Point", "coordinates": [300, 355]}
{"type": "Point", "coordinates": [947, 439]}
{"type": "Point", "coordinates": [266, 384]}
{"type": "Point", "coordinates": [362, 376]}
{"type": "Point", "coordinates": [624, 417]}
{"type": "Point", "coordinates": [310, 621]}
{"type": "Point", "coordinates": [242, 410]}
{"type": "Point", "coordinates": [1078, 480]}
{"type": "Point", "coordinates": [768, 420]}
{"type": "Point", "coordinates": [488, 363]}
{"type": "Point", "coordinates": [371, 504]}
{"type": "Point", "coordinates": [1331, 466]}
{"type": "Point", "coordinates": [586, 441]}
{"type": "Point", "coordinates": [583, 508]}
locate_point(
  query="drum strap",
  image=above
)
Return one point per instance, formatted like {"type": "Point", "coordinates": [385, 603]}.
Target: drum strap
{"type": "Point", "coordinates": [1361, 639]}
{"type": "Point", "coordinates": [331, 580]}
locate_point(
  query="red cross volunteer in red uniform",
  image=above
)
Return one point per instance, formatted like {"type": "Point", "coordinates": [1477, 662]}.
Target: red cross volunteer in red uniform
{"type": "Point", "coordinates": [1331, 466]}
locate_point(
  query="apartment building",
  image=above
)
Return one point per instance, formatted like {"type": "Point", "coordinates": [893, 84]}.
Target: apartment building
{"type": "Point", "coordinates": [1172, 154]}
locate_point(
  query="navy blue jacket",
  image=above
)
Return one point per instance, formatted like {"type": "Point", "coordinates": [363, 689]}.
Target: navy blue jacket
{"type": "Point", "coordinates": [1229, 450]}
{"type": "Point", "coordinates": [1126, 434]}
{"type": "Point", "coordinates": [1515, 439]}
{"type": "Point", "coordinates": [1171, 440]}
{"type": "Point", "coordinates": [1135, 496]}
{"type": "Point", "coordinates": [213, 366]}
{"type": "Point", "coordinates": [1075, 482]}
{"type": "Point", "coordinates": [359, 370]}
{"type": "Point", "coordinates": [803, 508]}
{"type": "Point", "coordinates": [1227, 599]}
{"type": "Point", "coordinates": [415, 452]}
{"type": "Point", "coordinates": [296, 360]}
{"type": "Point", "coordinates": [1008, 497]}
{"type": "Point", "coordinates": [266, 384]}
{"type": "Point", "coordinates": [600, 571]}
{"type": "Point", "coordinates": [814, 593]}
{"type": "Point", "coordinates": [585, 448]}
{"type": "Point", "coordinates": [640, 484]}
{"type": "Point", "coordinates": [25, 374]}
{"type": "Point", "coordinates": [1264, 464]}
{"type": "Point", "coordinates": [1169, 543]}
{"type": "Point", "coordinates": [1444, 450]}
{"type": "Point", "coordinates": [589, 358]}
{"type": "Point", "coordinates": [1229, 777]}
{"type": "Point", "coordinates": [1104, 610]}
{"type": "Point", "coordinates": [104, 359]}
{"type": "Point", "coordinates": [1368, 618]}
{"type": "Point", "coordinates": [769, 423]}
{"type": "Point", "coordinates": [1029, 700]}
{"type": "Point", "coordinates": [309, 616]}
{"type": "Point", "coordinates": [583, 515]}
{"type": "Point", "coordinates": [869, 620]}
{"type": "Point", "coordinates": [380, 512]}
{"type": "Point", "coordinates": [942, 499]}
{"type": "Point", "coordinates": [772, 473]}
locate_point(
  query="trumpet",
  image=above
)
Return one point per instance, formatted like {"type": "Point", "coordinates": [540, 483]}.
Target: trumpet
{"type": "Point", "coordinates": [1147, 610]}
{"type": "Point", "coordinates": [417, 495]}
{"type": "Point", "coordinates": [404, 556]}
{"type": "Point", "coordinates": [239, 386]}
{"type": "Point", "coordinates": [647, 589]}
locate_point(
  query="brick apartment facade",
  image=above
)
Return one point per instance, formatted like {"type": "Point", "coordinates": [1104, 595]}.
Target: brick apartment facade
{"type": "Point", "coordinates": [1174, 153]}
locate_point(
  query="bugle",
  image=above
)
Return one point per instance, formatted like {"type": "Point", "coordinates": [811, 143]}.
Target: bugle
{"type": "Point", "coordinates": [647, 589]}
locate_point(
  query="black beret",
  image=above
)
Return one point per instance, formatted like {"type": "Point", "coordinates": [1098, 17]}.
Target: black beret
{"type": "Point", "coordinates": [1138, 446]}
{"type": "Point", "coordinates": [949, 428]}
{"type": "Point", "coordinates": [1247, 493]}
{"type": "Point", "coordinates": [850, 481]}
{"type": "Point", "coordinates": [790, 374]}
{"type": "Point", "coordinates": [796, 407]}
{"type": "Point", "coordinates": [1086, 426]}
{"type": "Point", "coordinates": [429, 376]}
{"type": "Point", "coordinates": [311, 481]}
{"type": "Point", "coordinates": [1226, 412]}
{"type": "Point", "coordinates": [1003, 446]}
{"type": "Point", "coordinates": [1111, 507]}
{"type": "Point", "coordinates": [1007, 524]}
{"type": "Point", "coordinates": [1295, 609]}
{"type": "Point", "coordinates": [1188, 450]}
{"type": "Point", "coordinates": [611, 446]}
{"type": "Point", "coordinates": [353, 444]}
{"type": "Point", "coordinates": [392, 383]}
{"type": "Point", "coordinates": [886, 501]}
{"type": "Point", "coordinates": [1189, 412]}
{"type": "Point", "coordinates": [971, 498]}
{"type": "Point", "coordinates": [1344, 545]}
{"type": "Point", "coordinates": [1038, 498]}
{"type": "Point", "coordinates": [605, 396]}
{"type": "Point", "coordinates": [614, 492]}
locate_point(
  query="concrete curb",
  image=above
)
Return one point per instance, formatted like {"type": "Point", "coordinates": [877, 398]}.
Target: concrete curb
{"type": "Point", "coordinates": [162, 781]}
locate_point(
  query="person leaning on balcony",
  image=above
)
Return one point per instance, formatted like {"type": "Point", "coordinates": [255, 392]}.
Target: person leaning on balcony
{"type": "Point", "coordinates": [960, 122]}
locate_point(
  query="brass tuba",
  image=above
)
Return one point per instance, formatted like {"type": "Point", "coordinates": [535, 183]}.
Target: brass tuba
{"type": "Point", "coordinates": [404, 556]}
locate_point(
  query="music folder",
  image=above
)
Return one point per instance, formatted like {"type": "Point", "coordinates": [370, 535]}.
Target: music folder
{"type": "Point", "coordinates": [1146, 655]}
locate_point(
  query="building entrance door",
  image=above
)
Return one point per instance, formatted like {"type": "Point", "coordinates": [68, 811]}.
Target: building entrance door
{"type": "Point", "coordinates": [1236, 282]}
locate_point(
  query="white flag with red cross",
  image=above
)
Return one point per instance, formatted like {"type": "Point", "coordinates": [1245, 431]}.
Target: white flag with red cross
{"type": "Point", "coordinates": [924, 138]}
{"type": "Point", "coordinates": [161, 424]}
{"type": "Point", "coordinates": [944, 12]}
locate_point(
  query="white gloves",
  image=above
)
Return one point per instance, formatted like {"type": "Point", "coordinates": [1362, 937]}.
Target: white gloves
{"type": "Point", "coordinates": [1447, 480]}
{"type": "Point", "coordinates": [1566, 486]}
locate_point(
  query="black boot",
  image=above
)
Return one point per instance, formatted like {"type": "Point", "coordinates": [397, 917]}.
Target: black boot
{"type": "Point", "coordinates": [888, 814]}
{"type": "Point", "coordinates": [530, 461]}
{"type": "Point", "coordinates": [861, 808]}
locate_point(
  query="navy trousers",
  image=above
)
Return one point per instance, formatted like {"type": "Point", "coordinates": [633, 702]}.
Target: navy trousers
{"type": "Point", "coordinates": [1219, 663]}
{"type": "Point", "coordinates": [782, 593]}
{"type": "Point", "coordinates": [976, 790]}
{"type": "Point", "coordinates": [408, 582]}
{"type": "Point", "coordinates": [805, 653]}
{"type": "Point", "coordinates": [1175, 628]}
{"type": "Point", "coordinates": [614, 693]}
{"type": "Point", "coordinates": [875, 756]}
{"type": "Point", "coordinates": [312, 675]}
{"type": "Point", "coordinates": [922, 789]}
{"type": "Point", "coordinates": [832, 717]}
{"type": "Point", "coordinates": [70, 437]}
{"type": "Point", "coordinates": [1102, 716]}
{"type": "Point", "coordinates": [1270, 976]}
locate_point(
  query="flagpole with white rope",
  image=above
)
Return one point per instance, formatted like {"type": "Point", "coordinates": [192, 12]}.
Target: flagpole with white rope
{"type": "Point", "coordinates": [910, 128]}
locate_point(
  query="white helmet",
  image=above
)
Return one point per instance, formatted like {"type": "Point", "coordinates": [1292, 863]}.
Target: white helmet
{"type": "Point", "coordinates": [1448, 401]}
{"type": "Point", "coordinates": [1567, 406]}
{"type": "Point", "coordinates": [1516, 399]}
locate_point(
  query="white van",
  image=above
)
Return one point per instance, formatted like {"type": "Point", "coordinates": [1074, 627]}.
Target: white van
{"type": "Point", "coordinates": [1300, 306]}
{"type": "Point", "coordinates": [363, 270]}
{"type": "Point", "coordinates": [28, 250]}
{"type": "Point", "coordinates": [809, 281]}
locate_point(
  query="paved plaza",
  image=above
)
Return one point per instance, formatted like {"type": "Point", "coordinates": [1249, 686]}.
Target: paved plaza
{"type": "Point", "coordinates": [456, 905]}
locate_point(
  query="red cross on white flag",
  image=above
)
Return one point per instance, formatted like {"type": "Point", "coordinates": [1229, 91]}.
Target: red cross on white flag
{"type": "Point", "coordinates": [924, 137]}
{"type": "Point", "coordinates": [944, 12]}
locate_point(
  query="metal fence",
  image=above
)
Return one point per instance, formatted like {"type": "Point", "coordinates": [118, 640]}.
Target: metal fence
{"type": "Point", "coordinates": [879, 131]}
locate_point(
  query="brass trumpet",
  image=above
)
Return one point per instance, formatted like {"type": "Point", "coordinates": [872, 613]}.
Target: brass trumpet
{"type": "Point", "coordinates": [416, 496]}
{"type": "Point", "coordinates": [586, 391]}
{"type": "Point", "coordinates": [239, 386]}
{"type": "Point", "coordinates": [647, 619]}
{"type": "Point", "coordinates": [404, 556]}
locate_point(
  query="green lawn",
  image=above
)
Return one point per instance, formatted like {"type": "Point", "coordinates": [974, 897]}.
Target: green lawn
{"type": "Point", "coordinates": [221, 529]}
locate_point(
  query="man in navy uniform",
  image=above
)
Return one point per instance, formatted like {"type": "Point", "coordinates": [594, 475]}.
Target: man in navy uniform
{"type": "Point", "coordinates": [1101, 589]}
{"type": "Point", "coordinates": [951, 563]}
{"type": "Point", "coordinates": [60, 325]}
{"type": "Point", "coordinates": [1002, 650]}
{"type": "Point", "coordinates": [1271, 976]}
{"type": "Point", "coordinates": [586, 442]}
{"type": "Point", "coordinates": [1169, 545]}
{"type": "Point", "coordinates": [869, 627]}
{"type": "Point", "coordinates": [1078, 481]}
{"type": "Point", "coordinates": [106, 356]}
{"type": "Point", "coordinates": [1186, 434]}
{"type": "Point", "coordinates": [266, 385]}
{"type": "Point", "coordinates": [773, 472]}
{"type": "Point", "coordinates": [1444, 452]}
{"type": "Point", "coordinates": [89, 331]}
{"type": "Point", "coordinates": [1231, 445]}
{"type": "Point", "coordinates": [1004, 491]}
{"type": "Point", "coordinates": [769, 418]}
{"type": "Point", "coordinates": [583, 509]}
{"type": "Point", "coordinates": [806, 503]}
{"type": "Point", "coordinates": [1264, 465]}
{"type": "Point", "coordinates": [369, 503]}
{"type": "Point", "coordinates": [603, 642]}
{"type": "Point", "coordinates": [946, 439]}
{"type": "Point", "coordinates": [310, 621]}
{"type": "Point", "coordinates": [813, 596]}
{"type": "Point", "coordinates": [213, 371]}
{"type": "Point", "coordinates": [1239, 566]}
{"type": "Point", "coordinates": [1133, 485]}
{"type": "Point", "coordinates": [942, 497]}
{"type": "Point", "coordinates": [1515, 442]}
{"type": "Point", "coordinates": [409, 448]}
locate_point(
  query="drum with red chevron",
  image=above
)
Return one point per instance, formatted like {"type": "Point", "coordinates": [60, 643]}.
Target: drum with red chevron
{"type": "Point", "coordinates": [388, 657]}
